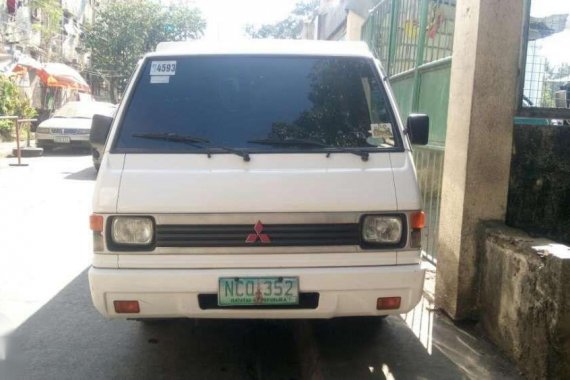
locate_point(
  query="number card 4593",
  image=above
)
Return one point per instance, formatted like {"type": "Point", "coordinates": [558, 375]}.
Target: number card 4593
{"type": "Point", "coordinates": [163, 68]}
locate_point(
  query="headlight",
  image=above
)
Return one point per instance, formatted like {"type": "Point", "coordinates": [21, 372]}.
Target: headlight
{"type": "Point", "coordinates": [380, 229]}
{"type": "Point", "coordinates": [42, 130]}
{"type": "Point", "coordinates": [132, 230]}
{"type": "Point", "coordinates": [82, 131]}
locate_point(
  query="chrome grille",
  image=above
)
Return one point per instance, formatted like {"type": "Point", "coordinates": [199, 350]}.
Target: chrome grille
{"type": "Point", "coordinates": [68, 131]}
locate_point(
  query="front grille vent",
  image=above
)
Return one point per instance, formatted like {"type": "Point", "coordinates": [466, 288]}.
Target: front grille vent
{"type": "Point", "coordinates": [284, 235]}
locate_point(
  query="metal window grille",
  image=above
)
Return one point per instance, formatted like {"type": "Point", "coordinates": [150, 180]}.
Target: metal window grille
{"type": "Point", "coordinates": [439, 30]}
{"type": "Point", "coordinates": [407, 36]}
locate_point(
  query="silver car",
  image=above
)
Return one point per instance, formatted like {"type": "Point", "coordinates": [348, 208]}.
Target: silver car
{"type": "Point", "coordinates": [70, 125]}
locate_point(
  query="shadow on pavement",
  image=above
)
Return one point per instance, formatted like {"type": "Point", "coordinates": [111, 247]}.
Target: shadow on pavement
{"type": "Point", "coordinates": [360, 349]}
{"type": "Point", "coordinates": [87, 174]}
{"type": "Point", "coordinates": [58, 152]}
{"type": "Point", "coordinates": [389, 349]}
{"type": "Point", "coordinates": [68, 339]}
{"type": "Point", "coordinates": [67, 152]}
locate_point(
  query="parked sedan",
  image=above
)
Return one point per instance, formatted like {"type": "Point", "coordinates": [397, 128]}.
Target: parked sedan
{"type": "Point", "coordinates": [70, 125]}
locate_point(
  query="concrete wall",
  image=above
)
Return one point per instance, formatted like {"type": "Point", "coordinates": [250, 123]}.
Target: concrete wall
{"type": "Point", "coordinates": [524, 299]}
{"type": "Point", "coordinates": [539, 189]}
{"type": "Point", "coordinates": [484, 74]}
{"type": "Point", "coordinates": [16, 29]}
{"type": "Point", "coordinates": [341, 19]}
{"type": "Point", "coordinates": [353, 26]}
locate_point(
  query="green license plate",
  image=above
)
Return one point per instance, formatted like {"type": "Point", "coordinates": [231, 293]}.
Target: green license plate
{"type": "Point", "coordinates": [254, 291]}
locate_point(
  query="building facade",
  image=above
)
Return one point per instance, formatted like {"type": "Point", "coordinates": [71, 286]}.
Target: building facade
{"type": "Point", "coordinates": [47, 31]}
{"type": "Point", "coordinates": [339, 20]}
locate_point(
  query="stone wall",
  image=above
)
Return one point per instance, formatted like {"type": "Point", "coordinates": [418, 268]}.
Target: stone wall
{"type": "Point", "coordinates": [524, 299]}
{"type": "Point", "coordinates": [539, 188]}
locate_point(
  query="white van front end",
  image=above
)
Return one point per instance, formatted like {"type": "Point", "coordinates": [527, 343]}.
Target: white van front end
{"type": "Point", "coordinates": [228, 208]}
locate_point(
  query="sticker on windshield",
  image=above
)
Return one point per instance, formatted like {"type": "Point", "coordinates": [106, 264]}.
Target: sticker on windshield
{"type": "Point", "coordinates": [163, 68]}
{"type": "Point", "coordinates": [381, 130]}
{"type": "Point", "coordinates": [159, 79]}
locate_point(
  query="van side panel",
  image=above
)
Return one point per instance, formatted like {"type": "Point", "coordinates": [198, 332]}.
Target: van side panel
{"type": "Point", "coordinates": [108, 183]}
{"type": "Point", "coordinates": [407, 191]}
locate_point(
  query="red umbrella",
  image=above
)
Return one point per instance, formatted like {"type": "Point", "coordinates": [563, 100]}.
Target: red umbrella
{"type": "Point", "coordinates": [53, 74]}
{"type": "Point", "coordinates": [60, 75]}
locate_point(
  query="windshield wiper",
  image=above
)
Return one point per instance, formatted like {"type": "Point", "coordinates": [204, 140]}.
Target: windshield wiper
{"type": "Point", "coordinates": [171, 137]}
{"type": "Point", "coordinates": [174, 137]}
{"type": "Point", "coordinates": [300, 142]}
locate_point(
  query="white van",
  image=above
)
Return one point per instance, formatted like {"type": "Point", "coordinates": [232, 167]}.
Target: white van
{"type": "Point", "coordinates": [268, 179]}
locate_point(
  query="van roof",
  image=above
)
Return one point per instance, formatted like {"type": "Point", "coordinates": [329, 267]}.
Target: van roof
{"type": "Point", "coordinates": [262, 47]}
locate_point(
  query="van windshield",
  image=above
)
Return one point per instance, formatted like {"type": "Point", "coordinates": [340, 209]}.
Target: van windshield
{"type": "Point", "coordinates": [258, 104]}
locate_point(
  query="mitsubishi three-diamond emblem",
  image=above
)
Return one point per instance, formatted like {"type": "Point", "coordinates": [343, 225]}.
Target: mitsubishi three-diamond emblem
{"type": "Point", "coordinates": [258, 228]}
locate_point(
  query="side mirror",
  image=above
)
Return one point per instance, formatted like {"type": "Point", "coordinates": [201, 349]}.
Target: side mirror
{"type": "Point", "coordinates": [100, 127]}
{"type": "Point", "coordinates": [417, 127]}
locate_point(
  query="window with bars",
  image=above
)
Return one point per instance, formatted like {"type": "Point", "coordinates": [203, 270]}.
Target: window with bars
{"type": "Point", "coordinates": [545, 87]}
{"type": "Point", "coordinates": [439, 30]}
{"type": "Point", "coordinates": [400, 30]}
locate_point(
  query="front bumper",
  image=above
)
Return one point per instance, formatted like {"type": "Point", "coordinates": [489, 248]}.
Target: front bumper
{"type": "Point", "coordinates": [173, 293]}
{"type": "Point", "coordinates": [47, 140]}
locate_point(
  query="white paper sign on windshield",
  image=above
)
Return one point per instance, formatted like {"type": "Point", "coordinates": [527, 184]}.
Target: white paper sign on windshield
{"type": "Point", "coordinates": [159, 79]}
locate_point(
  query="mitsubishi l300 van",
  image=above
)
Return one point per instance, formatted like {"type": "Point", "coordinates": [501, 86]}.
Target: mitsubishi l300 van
{"type": "Point", "coordinates": [267, 179]}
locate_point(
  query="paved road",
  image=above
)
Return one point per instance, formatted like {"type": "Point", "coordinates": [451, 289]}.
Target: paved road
{"type": "Point", "coordinates": [57, 334]}
{"type": "Point", "coordinates": [44, 242]}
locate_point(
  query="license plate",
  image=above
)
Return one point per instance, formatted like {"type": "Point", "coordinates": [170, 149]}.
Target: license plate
{"type": "Point", "coordinates": [253, 291]}
{"type": "Point", "coordinates": [62, 139]}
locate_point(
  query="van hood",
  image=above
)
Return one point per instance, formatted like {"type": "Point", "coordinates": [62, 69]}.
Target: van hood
{"type": "Point", "coordinates": [224, 183]}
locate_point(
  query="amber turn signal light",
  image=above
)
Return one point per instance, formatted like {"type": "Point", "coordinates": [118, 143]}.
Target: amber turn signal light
{"type": "Point", "coordinates": [388, 303]}
{"type": "Point", "coordinates": [96, 223]}
{"type": "Point", "coordinates": [126, 307]}
{"type": "Point", "coordinates": [418, 220]}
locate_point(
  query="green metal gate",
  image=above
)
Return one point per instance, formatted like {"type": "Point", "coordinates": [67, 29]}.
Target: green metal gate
{"type": "Point", "coordinates": [414, 40]}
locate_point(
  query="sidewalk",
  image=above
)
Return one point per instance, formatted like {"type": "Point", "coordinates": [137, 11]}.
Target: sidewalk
{"type": "Point", "coordinates": [422, 344]}
{"type": "Point", "coordinates": [462, 343]}
{"type": "Point", "coordinates": [6, 147]}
